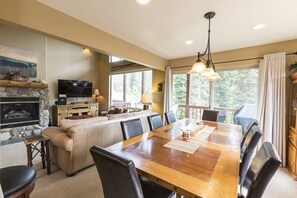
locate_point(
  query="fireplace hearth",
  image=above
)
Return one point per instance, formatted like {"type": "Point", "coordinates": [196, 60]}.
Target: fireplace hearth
{"type": "Point", "coordinates": [18, 111]}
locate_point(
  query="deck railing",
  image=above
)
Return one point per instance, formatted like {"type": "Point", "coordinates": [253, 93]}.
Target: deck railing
{"type": "Point", "coordinates": [196, 112]}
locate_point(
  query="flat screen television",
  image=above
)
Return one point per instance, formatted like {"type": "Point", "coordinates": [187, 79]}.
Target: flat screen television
{"type": "Point", "coordinates": [75, 88]}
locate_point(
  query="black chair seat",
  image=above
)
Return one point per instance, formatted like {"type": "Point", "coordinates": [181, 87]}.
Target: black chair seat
{"type": "Point", "coordinates": [152, 189]}
{"type": "Point", "coordinates": [15, 178]}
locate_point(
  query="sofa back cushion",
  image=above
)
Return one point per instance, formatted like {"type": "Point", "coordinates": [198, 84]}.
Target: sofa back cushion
{"type": "Point", "coordinates": [119, 116]}
{"type": "Point", "coordinates": [65, 124]}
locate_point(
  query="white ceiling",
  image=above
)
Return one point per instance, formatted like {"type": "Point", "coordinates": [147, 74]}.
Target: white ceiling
{"type": "Point", "coordinates": [163, 26]}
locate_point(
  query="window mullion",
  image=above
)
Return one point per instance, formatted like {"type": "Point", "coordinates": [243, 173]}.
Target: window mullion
{"type": "Point", "coordinates": [124, 87]}
{"type": "Point", "coordinates": [211, 94]}
{"type": "Point", "coordinates": [188, 97]}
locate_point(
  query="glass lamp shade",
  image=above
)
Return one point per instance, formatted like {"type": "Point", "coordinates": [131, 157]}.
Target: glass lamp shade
{"type": "Point", "coordinates": [197, 68]}
{"type": "Point", "coordinates": [214, 77]}
{"type": "Point", "coordinates": [146, 98]}
{"type": "Point", "coordinates": [207, 72]}
{"type": "Point", "coordinates": [96, 92]}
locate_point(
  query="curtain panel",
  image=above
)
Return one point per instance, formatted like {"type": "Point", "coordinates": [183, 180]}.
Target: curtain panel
{"type": "Point", "coordinates": [271, 101]}
{"type": "Point", "coordinates": [167, 92]}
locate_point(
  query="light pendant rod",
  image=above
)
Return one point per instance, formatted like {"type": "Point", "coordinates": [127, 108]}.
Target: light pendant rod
{"type": "Point", "coordinates": [206, 70]}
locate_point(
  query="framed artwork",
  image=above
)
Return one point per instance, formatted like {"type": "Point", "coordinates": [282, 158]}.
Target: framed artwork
{"type": "Point", "coordinates": [160, 87]}
{"type": "Point", "coordinates": [18, 61]}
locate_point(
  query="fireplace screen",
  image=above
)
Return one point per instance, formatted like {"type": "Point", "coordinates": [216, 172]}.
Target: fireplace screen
{"type": "Point", "coordinates": [19, 111]}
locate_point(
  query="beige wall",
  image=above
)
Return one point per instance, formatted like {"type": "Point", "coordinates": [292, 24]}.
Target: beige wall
{"type": "Point", "coordinates": [38, 17]}
{"type": "Point", "coordinates": [158, 97]}
{"type": "Point", "coordinates": [102, 62]}
{"type": "Point", "coordinates": [66, 61]}
{"type": "Point", "coordinates": [250, 52]}
{"type": "Point", "coordinates": [55, 59]}
{"type": "Point", "coordinates": [23, 39]}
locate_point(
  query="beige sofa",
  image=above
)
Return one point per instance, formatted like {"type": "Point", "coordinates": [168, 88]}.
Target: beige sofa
{"type": "Point", "coordinates": [70, 143]}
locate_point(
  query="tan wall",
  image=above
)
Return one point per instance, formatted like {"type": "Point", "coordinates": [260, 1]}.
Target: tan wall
{"type": "Point", "coordinates": [103, 76]}
{"type": "Point", "coordinates": [38, 17]}
{"type": "Point", "coordinates": [55, 59]}
{"type": "Point", "coordinates": [250, 52]}
{"type": "Point", "coordinates": [66, 61]}
{"type": "Point", "coordinates": [22, 39]}
{"type": "Point", "coordinates": [158, 97]}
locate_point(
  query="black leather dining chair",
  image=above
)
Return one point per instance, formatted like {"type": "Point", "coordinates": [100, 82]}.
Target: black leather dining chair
{"type": "Point", "coordinates": [17, 181]}
{"type": "Point", "coordinates": [210, 115]}
{"type": "Point", "coordinates": [131, 128]}
{"type": "Point", "coordinates": [247, 150]}
{"type": "Point", "coordinates": [170, 117]}
{"type": "Point", "coordinates": [260, 172]}
{"type": "Point", "coordinates": [244, 133]}
{"type": "Point", "coordinates": [119, 177]}
{"type": "Point", "coordinates": [155, 121]}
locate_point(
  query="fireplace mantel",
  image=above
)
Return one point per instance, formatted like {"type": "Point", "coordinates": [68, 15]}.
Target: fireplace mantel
{"type": "Point", "coordinates": [10, 83]}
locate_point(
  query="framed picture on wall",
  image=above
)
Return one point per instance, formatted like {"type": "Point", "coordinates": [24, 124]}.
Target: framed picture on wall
{"type": "Point", "coordinates": [160, 87]}
{"type": "Point", "coordinates": [18, 61]}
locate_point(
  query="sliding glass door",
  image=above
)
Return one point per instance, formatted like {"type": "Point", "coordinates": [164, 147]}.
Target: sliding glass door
{"type": "Point", "coordinates": [191, 94]}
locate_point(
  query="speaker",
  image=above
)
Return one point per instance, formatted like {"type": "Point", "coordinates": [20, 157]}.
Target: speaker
{"type": "Point", "coordinates": [62, 99]}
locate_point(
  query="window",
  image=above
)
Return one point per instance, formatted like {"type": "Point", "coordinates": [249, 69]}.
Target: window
{"type": "Point", "coordinates": [192, 94]}
{"type": "Point", "coordinates": [237, 88]}
{"type": "Point", "coordinates": [117, 88]}
{"type": "Point", "coordinates": [126, 89]}
{"type": "Point", "coordinates": [113, 59]}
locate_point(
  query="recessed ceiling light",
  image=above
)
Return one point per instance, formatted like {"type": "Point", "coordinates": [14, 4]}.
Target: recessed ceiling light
{"type": "Point", "coordinates": [259, 26]}
{"type": "Point", "coordinates": [142, 2]}
{"type": "Point", "coordinates": [189, 42]}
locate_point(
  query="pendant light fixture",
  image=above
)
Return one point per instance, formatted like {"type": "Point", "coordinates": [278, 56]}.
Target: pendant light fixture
{"type": "Point", "coordinates": [208, 69]}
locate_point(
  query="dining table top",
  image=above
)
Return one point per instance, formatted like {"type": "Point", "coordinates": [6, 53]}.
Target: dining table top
{"type": "Point", "coordinates": [211, 171]}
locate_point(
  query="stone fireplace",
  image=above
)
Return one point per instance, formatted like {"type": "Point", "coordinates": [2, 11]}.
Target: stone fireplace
{"type": "Point", "coordinates": [24, 110]}
{"type": "Point", "coordinates": [18, 111]}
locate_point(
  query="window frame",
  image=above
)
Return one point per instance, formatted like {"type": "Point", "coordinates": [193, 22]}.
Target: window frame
{"type": "Point", "coordinates": [125, 81]}
{"type": "Point", "coordinates": [211, 84]}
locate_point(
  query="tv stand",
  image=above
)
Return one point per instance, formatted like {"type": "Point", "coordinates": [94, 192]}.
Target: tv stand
{"type": "Point", "coordinates": [63, 111]}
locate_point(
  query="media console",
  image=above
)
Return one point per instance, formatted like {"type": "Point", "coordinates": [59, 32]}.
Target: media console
{"type": "Point", "coordinates": [63, 111]}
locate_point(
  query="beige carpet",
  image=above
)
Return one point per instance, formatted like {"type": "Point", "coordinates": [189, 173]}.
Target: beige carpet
{"type": "Point", "coordinates": [87, 183]}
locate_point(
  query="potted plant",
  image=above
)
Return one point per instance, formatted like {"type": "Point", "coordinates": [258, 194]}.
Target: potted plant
{"type": "Point", "coordinates": [293, 67]}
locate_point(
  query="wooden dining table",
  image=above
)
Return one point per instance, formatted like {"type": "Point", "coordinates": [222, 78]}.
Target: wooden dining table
{"type": "Point", "coordinates": [211, 171]}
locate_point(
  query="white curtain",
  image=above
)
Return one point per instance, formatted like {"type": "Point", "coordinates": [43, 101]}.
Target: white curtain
{"type": "Point", "coordinates": [167, 91]}
{"type": "Point", "coordinates": [271, 101]}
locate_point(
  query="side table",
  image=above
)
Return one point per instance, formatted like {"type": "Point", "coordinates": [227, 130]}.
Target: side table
{"type": "Point", "coordinates": [32, 143]}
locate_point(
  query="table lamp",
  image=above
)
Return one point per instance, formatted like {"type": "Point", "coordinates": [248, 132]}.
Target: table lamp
{"type": "Point", "coordinates": [146, 100]}
{"type": "Point", "coordinates": [96, 93]}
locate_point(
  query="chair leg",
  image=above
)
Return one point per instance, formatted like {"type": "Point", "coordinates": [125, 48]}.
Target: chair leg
{"type": "Point", "coordinates": [25, 192]}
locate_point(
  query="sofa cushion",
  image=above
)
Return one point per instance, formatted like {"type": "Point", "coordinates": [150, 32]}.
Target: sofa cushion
{"type": "Point", "coordinates": [59, 138]}
{"type": "Point", "coordinates": [144, 112]}
{"type": "Point", "coordinates": [119, 116]}
{"type": "Point", "coordinates": [65, 124]}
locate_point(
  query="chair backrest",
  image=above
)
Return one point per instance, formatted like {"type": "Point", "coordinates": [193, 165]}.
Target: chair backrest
{"type": "Point", "coordinates": [117, 174]}
{"type": "Point", "coordinates": [222, 115]}
{"type": "Point", "coordinates": [170, 117]}
{"type": "Point", "coordinates": [154, 121]}
{"type": "Point", "coordinates": [131, 128]}
{"type": "Point", "coordinates": [210, 115]}
{"type": "Point", "coordinates": [262, 169]}
{"type": "Point", "coordinates": [247, 130]}
{"type": "Point", "coordinates": [247, 150]}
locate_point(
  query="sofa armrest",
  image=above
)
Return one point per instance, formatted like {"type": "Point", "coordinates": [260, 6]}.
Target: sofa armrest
{"type": "Point", "coordinates": [59, 138]}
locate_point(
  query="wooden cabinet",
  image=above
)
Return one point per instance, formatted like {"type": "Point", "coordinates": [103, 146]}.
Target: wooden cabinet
{"type": "Point", "coordinates": [62, 111]}
{"type": "Point", "coordinates": [292, 145]}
